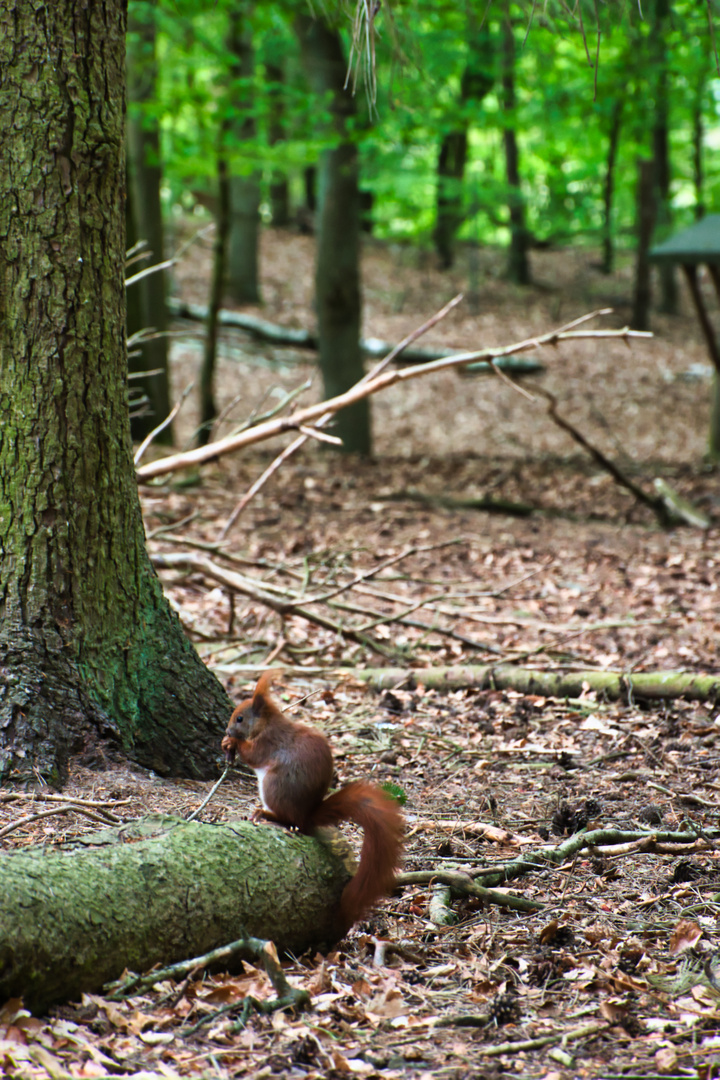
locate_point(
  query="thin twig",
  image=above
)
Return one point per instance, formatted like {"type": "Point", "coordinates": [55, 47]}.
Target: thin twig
{"type": "Point", "coordinates": [161, 427]}
{"type": "Point", "coordinates": [249, 588]}
{"type": "Point", "coordinates": [95, 815]}
{"type": "Point", "coordinates": [208, 797]}
{"type": "Point", "coordinates": [298, 443]}
{"type": "Point", "coordinates": [148, 271]}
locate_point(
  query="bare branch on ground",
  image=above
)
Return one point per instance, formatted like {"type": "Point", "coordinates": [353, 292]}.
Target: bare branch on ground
{"type": "Point", "coordinates": [313, 413]}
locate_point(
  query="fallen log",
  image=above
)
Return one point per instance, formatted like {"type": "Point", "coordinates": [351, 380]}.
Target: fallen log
{"type": "Point", "coordinates": [614, 685]}
{"type": "Point", "coordinates": [157, 891]}
{"type": "Point", "coordinates": [298, 338]}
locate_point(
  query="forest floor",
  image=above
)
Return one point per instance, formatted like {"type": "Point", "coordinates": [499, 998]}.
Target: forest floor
{"type": "Point", "coordinates": [613, 975]}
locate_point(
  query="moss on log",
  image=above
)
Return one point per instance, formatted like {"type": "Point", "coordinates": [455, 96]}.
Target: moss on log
{"type": "Point", "coordinates": [614, 685]}
{"type": "Point", "coordinates": [157, 891]}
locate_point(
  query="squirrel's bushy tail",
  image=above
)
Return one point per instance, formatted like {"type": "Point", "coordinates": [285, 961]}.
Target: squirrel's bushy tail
{"type": "Point", "coordinates": [382, 823]}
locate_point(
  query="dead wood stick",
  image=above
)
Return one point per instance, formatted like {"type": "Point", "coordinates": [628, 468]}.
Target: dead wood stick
{"type": "Point", "coordinates": [95, 815]}
{"type": "Point", "coordinates": [91, 804]}
{"type": "Point", "coordinates": [285, 605]}
{"type": "Point", "coordinates": [542, 1040]}
{"type": "Point", "coordinates": [471, 828]}
{"type": "Point", "coordinates": [608, 841]}
{"type": "Point", "coordinates": [312, 413]}
{"type": "Point", "coordinates": [374, 570]}
{"type": "Point", "coordinates": [656, 503]}
{"type": "Point", "coordinates": [247, 948]}
{"type": "Point", "coordinates": [648, 685]}
{"type": "Point", "coordinates": [324, 419]}
{"type": "Point", "coordinates": [161, 426]}
{"type": "Point", "coordinates": [249, 588]}
{"type": "Point", "coordinates": [416, 624]}
{"type": "Point", "coordinates": [464, 885]}
{"type": "Point", "coordinates": [208, 797]}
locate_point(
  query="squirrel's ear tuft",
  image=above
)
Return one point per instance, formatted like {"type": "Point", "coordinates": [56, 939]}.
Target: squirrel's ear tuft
{"type": "Point", "coordinates": [263, 685]}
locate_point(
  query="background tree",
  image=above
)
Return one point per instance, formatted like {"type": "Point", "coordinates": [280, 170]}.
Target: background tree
{"type": "Point", "coordinates": [659, 14]}
{"type": "Point", "coordinates": [476, 82]}
{"type": "Point", "coordinates": [279, 187]}
{"type": "Point", "coordinates": [242, 260]}
{"type": "Point", "coordinates": [518, 266]}
{"type": "Point", "coordinates": [90, 652]}
{"type": "Point", "coordinates": [337, 271]}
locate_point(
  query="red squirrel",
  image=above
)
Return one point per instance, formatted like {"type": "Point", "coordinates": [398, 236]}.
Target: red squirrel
{"type": "Point", "coordinates": [294, 768]}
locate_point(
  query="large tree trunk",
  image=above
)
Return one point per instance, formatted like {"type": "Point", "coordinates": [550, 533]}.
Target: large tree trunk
{"type": "Point", "coordinates": [146, 175]}
{"type": "Point", "coordinates": [158, 891]}
{"type": "Point", "coordinates": [337, 273]}
{"type": "Point", "coordinates": [89, 649]}
{"type": "Point", "coordinates": [242, 262]}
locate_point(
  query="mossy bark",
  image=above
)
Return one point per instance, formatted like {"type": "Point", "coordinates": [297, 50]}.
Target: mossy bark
{"type": "Point", "coordinates": [157, 891]}
{"type": "Point", "coordinates": [89, 648]}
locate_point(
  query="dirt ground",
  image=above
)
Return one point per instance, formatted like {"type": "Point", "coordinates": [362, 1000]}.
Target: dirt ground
{"type": "Point", "coordinates": [614, 975]}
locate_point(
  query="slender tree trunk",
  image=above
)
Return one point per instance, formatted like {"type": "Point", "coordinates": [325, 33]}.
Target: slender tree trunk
{"type": "Point", "coordinates": [279, 188]}
{"type": "Point", "coordinates": [698, 136]}
{"type": "Point", "coordinates": [661, 151]}
{"type": "Point", "coordinates": [146, 175]}
{"type": "Point", "coordinates": [310, 188]}
{"type": "Point", "coordinates": [450, 170]}
{"type": "Point", "coordinates": [90, 652]}
{"type": "Point", "coordinates": [518, 267]}
{"type": "Point", "coordinates": [477, 81]}
{"type": "Point", "coordinates": [642, 299]}
{"type": "Point", "coordinates": [242, 259]}
{"type": "Point", "coordinates": [608, 256]}
{"type": "Point", "coordinates": [337, 273]}
{"type": "Point", "coordinates": [208, 409]}
{"type": "Point", "coordinates": [243, 283]}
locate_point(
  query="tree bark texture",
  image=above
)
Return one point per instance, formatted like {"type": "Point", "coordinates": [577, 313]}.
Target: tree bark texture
{"type": "Point", "coordinates": [337, 272]}
{"type": "Point", "coordinates": [648, 685]}
{"type": "Point", "coordinates": [89, 648]}
{"type": "Point", "coordinates": [145, 172]}
{"type": "Point", "coordinates": [157, 891]}
{"type": "Point", "coordinates": [242, 262]}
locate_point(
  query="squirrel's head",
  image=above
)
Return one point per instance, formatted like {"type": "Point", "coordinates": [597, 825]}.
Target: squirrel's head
{"type": "Point", "coordinates": [251, 715]}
